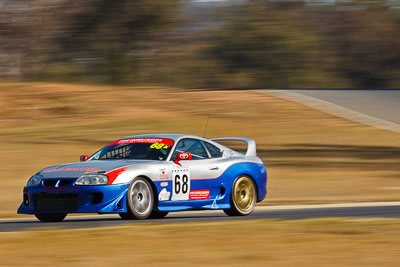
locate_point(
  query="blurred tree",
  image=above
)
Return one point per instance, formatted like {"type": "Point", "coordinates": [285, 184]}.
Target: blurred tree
{"type": "Point", "coordinates": [241, 44]}
{"type": "Point", "coordinates": [70, 32]}
{"type": "Point", "coordinates": [266, 46]}
{"type": "Point", "coordinates": [367, 44]}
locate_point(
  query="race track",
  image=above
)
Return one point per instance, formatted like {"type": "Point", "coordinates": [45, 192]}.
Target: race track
{"type": "Point", "coordinates": [365, 210]}
{"type": "Point", "coordinates": [377, 108]}
{"type": "Point", "coordinates": [382, 104]}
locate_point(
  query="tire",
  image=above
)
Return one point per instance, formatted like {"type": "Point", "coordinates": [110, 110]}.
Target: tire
{"type": "Point", "coordinates": [158, 214]}
{"type": "Point", "coordinates": [153, 215]}
{"type": "Point", "coordinates": [243, 197]}
{"type": "Point", "coordinates": [127, 216]}
{"type": "Point", "coordinates": [140, 198]}
{"type": "Point", "coordinates": [51, 217]}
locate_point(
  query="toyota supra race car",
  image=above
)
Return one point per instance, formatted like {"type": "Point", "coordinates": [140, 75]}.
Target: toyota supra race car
{"type": "Point", "coordinates": [147, 176]}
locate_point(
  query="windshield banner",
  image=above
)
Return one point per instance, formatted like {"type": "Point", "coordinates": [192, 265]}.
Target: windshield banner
{"type": "Point", "coordinates": [167, 142]}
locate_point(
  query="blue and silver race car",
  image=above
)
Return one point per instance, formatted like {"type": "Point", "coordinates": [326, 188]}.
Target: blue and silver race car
{"type": "Point", "coordinates": [147, 176]}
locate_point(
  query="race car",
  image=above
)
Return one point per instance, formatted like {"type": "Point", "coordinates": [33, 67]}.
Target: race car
{"type": "Point", "coordinates": [147, 176]}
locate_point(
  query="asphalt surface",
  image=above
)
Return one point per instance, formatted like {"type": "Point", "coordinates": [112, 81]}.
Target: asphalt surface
{"type": "Point", "coordinates": [365, 210]}
{"type": "Point", "coordinates": [382, 104]}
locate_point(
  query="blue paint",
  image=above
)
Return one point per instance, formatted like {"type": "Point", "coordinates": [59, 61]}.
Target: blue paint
{"type": "Point", "coordinates": [256, 171]}
{"type": "Point", "coordinates": [114, 196]}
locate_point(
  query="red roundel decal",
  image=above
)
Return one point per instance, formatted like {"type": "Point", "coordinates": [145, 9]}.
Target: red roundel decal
{"type": "Point", "coordinates": [185, 156]}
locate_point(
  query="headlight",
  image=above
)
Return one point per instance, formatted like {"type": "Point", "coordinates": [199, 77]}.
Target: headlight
{"type": "Point", "coordinates": [92, 179]}
{"type": "Point", "coordinates": [35, 180]}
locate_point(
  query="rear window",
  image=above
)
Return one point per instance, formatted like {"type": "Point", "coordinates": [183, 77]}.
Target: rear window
{"type": "Point", "coordinates": [214, 151]}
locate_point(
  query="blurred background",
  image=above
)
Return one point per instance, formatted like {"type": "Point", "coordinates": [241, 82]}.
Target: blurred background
{"type": "Point", "coordinates": [76, 75]}
{"type": "Point", "coordinates": [203, 44]}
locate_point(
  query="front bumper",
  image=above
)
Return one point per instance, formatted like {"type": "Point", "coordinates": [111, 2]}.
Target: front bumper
{"type": "Point", "coordinates": [74, 199]}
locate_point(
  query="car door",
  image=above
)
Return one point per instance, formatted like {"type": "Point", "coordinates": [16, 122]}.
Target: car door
{"type": "Point", "coordinates": [195, 179]}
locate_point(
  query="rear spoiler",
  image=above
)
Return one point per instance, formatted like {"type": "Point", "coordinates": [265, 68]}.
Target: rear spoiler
{"type": "Point", "coordinates": [251, 144]}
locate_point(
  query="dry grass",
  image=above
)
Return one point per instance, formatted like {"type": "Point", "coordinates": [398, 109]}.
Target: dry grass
{"type": "Point", "coordinates": [318, 242]}
{"type": "Point", "coordinates": [312, 157]}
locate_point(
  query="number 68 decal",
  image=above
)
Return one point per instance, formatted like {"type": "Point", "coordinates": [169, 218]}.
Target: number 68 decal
{"type": "Point", "coordinates": [181, 186]}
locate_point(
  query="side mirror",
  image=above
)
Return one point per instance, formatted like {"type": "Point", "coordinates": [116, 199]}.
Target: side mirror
{"type": "Point", "coordinates": [183, 156]}
{"type": "Point", "coordinates": [84, 157]}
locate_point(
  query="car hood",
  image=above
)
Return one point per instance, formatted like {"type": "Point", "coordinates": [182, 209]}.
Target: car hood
{"type": "Point", "coordinates": [77, 169]}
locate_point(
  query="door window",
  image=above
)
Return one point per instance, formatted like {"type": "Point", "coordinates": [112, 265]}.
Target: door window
{"type": "Point", "coordinates": [193, 146]}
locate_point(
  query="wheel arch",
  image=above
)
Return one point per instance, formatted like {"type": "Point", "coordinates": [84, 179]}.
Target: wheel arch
{"type": "Point", "coordinates": [252, 179]}
{"type": "Point", "coordinates": [153, 186]}
{"type": "Point", "coordinates": [255, 171]}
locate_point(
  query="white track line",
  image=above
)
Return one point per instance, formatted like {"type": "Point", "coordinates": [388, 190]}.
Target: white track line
{"type": "Point", "coordinates": [333, 109]}
{"type": "Point", "coordinates": [328, 206]}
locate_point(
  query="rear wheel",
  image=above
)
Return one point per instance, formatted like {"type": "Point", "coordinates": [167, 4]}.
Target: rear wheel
{"type": "Point", "coordinates": [243, 197]}
{"type": "Point", "coordinates": [140, 198]}
{"type": "Point", "coordinates": [51, 217]}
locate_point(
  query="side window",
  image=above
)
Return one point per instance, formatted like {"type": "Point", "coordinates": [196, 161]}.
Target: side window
{"type": "Point", "coordinates": [214, 151]}
{"type": "Point", "coordinates": [193, 146]}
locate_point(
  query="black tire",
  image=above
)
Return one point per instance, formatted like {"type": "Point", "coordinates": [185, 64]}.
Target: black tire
{"type": "Point", "coordinates": [156, 214]}
{"type": "Point", "coordinates": [243, 197]}
{"type": "Point", "coordinates": [140, 200]}
{"type": "Point", "coordinates": [127, 216]}
{"type": "Point", "coordinates": [51, 217]}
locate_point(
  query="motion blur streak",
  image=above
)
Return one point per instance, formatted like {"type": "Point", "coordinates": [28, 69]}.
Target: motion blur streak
{"type": "Point", "coordinates": [206, 44]}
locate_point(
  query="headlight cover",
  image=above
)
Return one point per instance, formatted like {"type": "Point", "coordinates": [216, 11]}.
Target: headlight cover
{"type": "Point", "coordinates": [35, 180]}
{"type": "Point", "coordinates": [92, 179]}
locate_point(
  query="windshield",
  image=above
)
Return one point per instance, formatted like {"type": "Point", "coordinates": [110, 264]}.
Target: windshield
{"type": "Point", "coordinates": [135, 148]}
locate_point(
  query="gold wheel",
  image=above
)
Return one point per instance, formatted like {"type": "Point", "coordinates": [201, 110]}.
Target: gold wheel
{"type": "Point", "coordinates": [244, 195]}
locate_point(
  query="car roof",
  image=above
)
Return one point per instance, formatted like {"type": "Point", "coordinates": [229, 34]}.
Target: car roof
{"type": "Point", "coordinates": [174, 137]}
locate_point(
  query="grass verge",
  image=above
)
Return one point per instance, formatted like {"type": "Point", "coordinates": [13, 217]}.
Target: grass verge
{"type": "Point", "coordinates": [314, 242]}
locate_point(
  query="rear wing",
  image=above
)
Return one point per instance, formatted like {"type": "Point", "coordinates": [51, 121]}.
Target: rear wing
{"type": "Point", "coordinates": [251, 144]}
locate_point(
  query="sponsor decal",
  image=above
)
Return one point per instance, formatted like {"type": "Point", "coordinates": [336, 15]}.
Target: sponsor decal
{"type": "Point", "coordinates": [73, 170]}
{"type": "Point", "coordinates": [159, 141]}
{"type": "Point", "coordinates": [164, 195]}
{"type": "Point", "coordinates": [59, 189]}
{"type": "Point", "coordinates": [164, 184]}
{"type": "Point", "coordinates": [199, 194]}
{"type": "Point", "coordinates": [159, 146]}
{"type": "Point", "coordinates": [184, 156]}
{"type": "Point", "coordinates": [163, 174]}
{"type": "Point", "coordinates": [180, 169]}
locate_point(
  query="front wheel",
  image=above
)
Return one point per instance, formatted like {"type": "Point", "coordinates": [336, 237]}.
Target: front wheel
{"type": "Point", "coordinates": [140, 198]}
{"type": "Point", "coordinates": [51, 217]}
{"type": "Point", "coordinates": [243, 197]}
{"type": "Point", "coordinates": [156, 214]}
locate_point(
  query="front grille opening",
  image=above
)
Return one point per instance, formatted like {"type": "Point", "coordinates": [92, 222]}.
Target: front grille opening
{"type": "Point", "coordinates": [51, 183]}
{"type": "Point", "coordinates": [26, 200]}
{"type": "Point", "coordinates": [97, 198]}
{"type": "Point", "coordinates": [57, 182]}
{"type": "Point", "coordinates": [65, 182]}
{"type": "Point", "coordinates": [56, 202]}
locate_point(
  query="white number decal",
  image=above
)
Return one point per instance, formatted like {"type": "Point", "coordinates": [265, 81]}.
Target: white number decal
{"type": "Point", "coordinates": [181, 185]}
